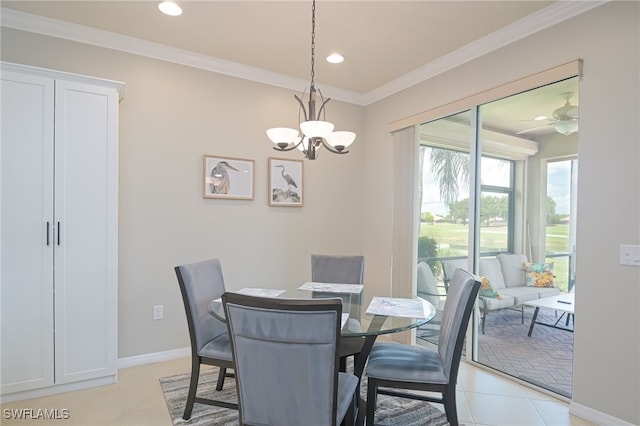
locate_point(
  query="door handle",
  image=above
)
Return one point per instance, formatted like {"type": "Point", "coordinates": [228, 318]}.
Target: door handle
{"type": "Point", "coordinates": [58, 233]}
{"type": "Point", "coordinates": [48, 226]}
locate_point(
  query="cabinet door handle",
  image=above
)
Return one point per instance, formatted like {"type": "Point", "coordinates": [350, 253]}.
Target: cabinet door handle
{"type": "Point", "coordinates": [48, 226]}
{"type": "Point", "coordinates": [58, 233]}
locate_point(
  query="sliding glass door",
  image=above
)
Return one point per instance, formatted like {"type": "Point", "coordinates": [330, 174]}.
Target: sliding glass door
{"type": "Point", "coordinates": [498, 200]}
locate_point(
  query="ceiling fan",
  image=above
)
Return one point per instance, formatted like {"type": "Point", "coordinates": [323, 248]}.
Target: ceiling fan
{"type": "Point", "coordinates": [565, 118]}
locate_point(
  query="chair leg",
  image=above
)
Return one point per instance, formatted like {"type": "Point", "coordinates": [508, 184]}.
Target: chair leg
{"type": "Point", "coordinates": [372, 396]}
{"type": "Point", "coordinates": [449, 399]}
{"type": "Point", "coordinates": [193, 387]}
{"type": "Point", "coordinates": [222, 373]}
{"type": "Point", "coordinates": [484, 317]}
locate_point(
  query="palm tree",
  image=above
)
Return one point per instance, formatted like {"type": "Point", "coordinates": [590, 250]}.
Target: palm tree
{"type": "Point", "coordinates": [450, 168]}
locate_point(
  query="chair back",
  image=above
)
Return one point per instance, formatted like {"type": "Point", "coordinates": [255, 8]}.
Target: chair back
{"type": "Point", "coordinates": [285, 353]}
{"type": "Point", "coordinates": [337, 269]}
{"type": "Point", "coordinates": [463, 291]}
{"type": "Point", "coordinates": [201, 283]}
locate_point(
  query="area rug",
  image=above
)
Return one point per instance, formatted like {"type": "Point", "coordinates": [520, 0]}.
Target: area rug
{"type": "Point", "coordinates": [390, 411]}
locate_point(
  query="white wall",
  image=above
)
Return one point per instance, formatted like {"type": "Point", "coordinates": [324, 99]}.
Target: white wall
{"type": "Point", "coordinates": [607, 335]}
{"type": "Point", "coordinates": [172, 115]}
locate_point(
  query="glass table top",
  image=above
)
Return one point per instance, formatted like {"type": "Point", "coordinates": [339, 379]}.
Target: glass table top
{"type": "Point", "coordinates": [383, 315]}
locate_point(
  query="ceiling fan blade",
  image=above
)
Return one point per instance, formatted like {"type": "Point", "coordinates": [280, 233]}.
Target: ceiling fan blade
{"type": "Point", "coordinates": [534, 128]}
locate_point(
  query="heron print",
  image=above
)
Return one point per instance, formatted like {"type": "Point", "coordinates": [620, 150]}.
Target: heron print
{"type": "Point", "coordinates": [220, 182]}
{"type": "Point", "coordinates": [228, 178]}
{"type": "Point", "coordinates": [286, 182]}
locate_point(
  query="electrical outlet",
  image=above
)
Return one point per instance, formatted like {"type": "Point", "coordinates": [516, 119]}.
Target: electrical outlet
{"type": "Point", "coordinates": [158, 312]}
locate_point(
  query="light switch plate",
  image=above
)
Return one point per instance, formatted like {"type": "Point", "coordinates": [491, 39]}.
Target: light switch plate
{"type": "Point", "coordinates": [158, 312]}
{"type": "Point", "coordinates": [629, 254]}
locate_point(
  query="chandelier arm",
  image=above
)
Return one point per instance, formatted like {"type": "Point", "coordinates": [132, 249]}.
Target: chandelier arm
{"type": "Point", "coordinates": [306, 118]}
{"type": "Point", "coordinates": [289, 147]}
{"type": "Point", "coordinates": [321, 110]}
{"type": "Point", "coordinates": [335, 151]}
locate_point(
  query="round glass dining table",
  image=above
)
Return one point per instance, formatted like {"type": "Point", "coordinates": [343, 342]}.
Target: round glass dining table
{"type": "Point", "coordinates": [392, 315]}
{"type": "Point", "coordinates": [383, 315]}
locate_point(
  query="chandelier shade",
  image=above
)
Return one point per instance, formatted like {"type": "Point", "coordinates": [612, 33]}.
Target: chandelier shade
{"type": "Point", "coordinates": [316, 131]}
{"type": "Point", "coordinates": [316, 128]}
{"type": "Point", "coordinates": [340, 140]}
{"type": "Point", "coordinates": [282, 136]}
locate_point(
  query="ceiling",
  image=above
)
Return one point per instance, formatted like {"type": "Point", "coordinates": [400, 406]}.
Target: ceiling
{"type": "Point", "coordinates": [383, 42]}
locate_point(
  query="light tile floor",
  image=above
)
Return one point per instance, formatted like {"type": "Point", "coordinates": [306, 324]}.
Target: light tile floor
{"type": "Point", "coordinates": [483, 399]}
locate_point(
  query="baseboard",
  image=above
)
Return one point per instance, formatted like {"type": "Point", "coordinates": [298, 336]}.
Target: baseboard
{"type": "Point", "coordinates": [595, 416]}
{"type": "Point", "coordinates": [55, 389]}
{"type": "Point", "coordinates": [86, 384]}
{"type": "Point", "coordinates": [150, 358]}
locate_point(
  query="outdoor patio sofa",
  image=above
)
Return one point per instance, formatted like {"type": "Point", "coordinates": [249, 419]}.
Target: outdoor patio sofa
{"type": "Point", "coordinates": [507, 274]}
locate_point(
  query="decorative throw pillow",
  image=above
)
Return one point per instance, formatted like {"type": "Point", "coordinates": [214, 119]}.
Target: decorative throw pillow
{"type": "Point", "coordinates": [539, 274]}
{"type": "Point", "coordinates": [487, 290]}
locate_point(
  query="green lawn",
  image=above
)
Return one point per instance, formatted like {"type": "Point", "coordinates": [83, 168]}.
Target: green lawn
{"type": "Point", "coordinates": [453, 240]}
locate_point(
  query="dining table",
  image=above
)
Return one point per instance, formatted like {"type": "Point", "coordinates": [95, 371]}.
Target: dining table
{"type": "Point", "coordinates": [383, 315]}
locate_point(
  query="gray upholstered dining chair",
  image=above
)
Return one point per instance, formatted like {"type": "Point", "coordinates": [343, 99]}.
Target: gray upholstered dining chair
{"type": "Point", "coordinates": [200, 283]}
{"type": "Point", "coordinates": [341, 270]}
{"type": "Point", "coordinates": [401, 366]}
{"type": "Point", "coordinates": [285, 353]}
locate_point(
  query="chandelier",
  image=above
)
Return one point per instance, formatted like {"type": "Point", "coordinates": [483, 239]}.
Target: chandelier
{"type": "Point", "coordinates": [316, 131]}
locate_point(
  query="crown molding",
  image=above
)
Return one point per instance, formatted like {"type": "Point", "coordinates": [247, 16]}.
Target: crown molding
{"type": "Point", "coordinates": [93, 36]}
{"type": "Point", "coordinates": [551, 15]}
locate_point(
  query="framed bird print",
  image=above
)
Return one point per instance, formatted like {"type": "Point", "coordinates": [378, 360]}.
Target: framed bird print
{"type": "Point", "coordinates": [286, 185]}
{"type": "Point", "coordinates": [227, 177]}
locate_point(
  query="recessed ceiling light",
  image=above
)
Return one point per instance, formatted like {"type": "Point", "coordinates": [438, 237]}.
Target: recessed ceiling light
{"type": "Point", "coordinates": [170, 8]}
{"type": "Point", "coordinates": [540, 118]}
{"type": "Point", "coordinates": [335, 58]}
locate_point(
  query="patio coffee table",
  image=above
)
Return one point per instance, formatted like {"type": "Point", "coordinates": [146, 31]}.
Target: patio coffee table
{"type": "Point", "coordinates": [564, 303]}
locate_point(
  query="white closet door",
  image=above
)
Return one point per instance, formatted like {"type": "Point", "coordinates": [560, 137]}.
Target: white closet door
{"type": "Point", "coordinates": [86, 245]}
{"type": "Point", "coordinates": [27, 207]}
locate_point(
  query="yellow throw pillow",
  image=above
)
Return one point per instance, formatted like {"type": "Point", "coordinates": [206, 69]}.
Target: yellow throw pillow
{"type": "Point", "coordinates": [487, 290]}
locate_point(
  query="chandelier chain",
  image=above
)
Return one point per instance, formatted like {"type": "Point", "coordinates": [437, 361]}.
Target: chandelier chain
{"type": "Point", "coordinates": [313, 41]}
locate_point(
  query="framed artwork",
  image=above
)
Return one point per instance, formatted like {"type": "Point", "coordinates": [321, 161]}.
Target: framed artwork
{"type": "Point", "coordinates": [227, 177]}
{"type": "Point", "coordinates": [286, 185]}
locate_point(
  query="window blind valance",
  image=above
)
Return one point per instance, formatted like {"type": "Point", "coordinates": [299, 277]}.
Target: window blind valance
{"type": "Point", "coordinates": [551, 75]}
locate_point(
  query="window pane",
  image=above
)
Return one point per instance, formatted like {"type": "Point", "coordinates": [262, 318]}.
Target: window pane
{"type": "Point", "coordinates": [559, 238]}
{"type": "Point", "coordinates": [494, 222]}
{"type": "Point", "coordinates": [444, 201]}
{"type": "Point", "coordinates": [445, 184]}
{"type": "Point", "coordinates": [495, 172]}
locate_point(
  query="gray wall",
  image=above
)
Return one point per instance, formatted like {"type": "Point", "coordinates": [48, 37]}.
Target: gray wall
{"type": "Point", "coordinates": [172, 115]}
{"type": "Point", "coordinates": [607, 335]}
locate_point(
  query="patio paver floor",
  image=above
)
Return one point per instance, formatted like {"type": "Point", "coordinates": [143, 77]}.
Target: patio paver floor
{"type": "Point", "coordinates": [544, 359]}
